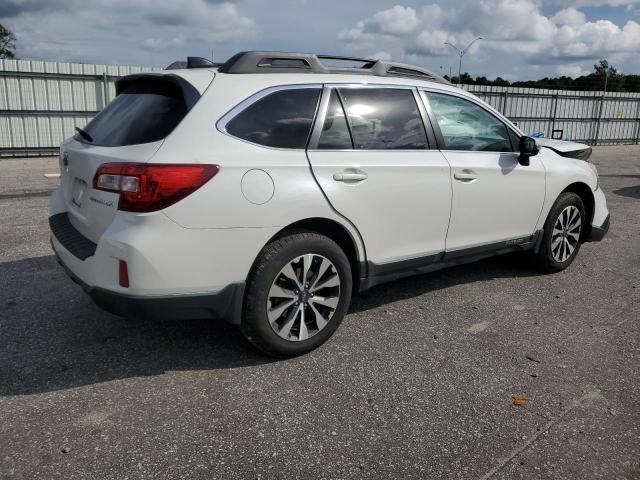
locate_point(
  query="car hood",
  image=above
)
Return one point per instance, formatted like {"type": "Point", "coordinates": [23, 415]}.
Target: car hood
{"type": "Point", "coordinates": [565, 148]}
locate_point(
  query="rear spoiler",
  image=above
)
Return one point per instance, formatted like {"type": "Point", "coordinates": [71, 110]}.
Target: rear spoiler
{"type": "Point", "coordinates": [189, 93]}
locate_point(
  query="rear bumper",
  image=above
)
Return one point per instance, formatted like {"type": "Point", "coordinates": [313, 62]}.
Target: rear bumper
{"type": "Point", "coordinates": [225, 304]}
{"type": "Point", "coordinates": [598, 233]}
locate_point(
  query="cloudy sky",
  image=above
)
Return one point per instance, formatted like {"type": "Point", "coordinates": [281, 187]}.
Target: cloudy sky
{"type": "Point", "coordinates": [523, 39]}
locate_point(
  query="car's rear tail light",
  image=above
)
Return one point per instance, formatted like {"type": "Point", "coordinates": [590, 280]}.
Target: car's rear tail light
{"type": "Point", "coordinates": [123, 274]}
{"type": "Point", "coordinates": [149, 187]}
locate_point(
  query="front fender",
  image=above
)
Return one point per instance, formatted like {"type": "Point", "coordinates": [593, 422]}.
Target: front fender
{"type": "Point", "coordinates": [561, 173]}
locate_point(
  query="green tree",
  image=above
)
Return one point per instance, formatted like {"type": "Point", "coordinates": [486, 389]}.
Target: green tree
{"type": "Point", "coordinates": [465, 79]}
{"type": "Point", "coordinates": [501, 82]}
{"type": "Point", "coordinates": [7, 43]}
{"type": "Point", "coordinates": [612, 80]}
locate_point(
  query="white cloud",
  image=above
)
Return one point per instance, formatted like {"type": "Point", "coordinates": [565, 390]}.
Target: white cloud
{"type": "Point", "coordinates": [159, 44]}
{"type": "Point", "coordinates": [381, 55]}
{"type": "Point", "coordinates": [216, 22]}
{"type": "Point", "coordinates": [594, 3]}
{"type": "Point", "coordinates": [573, 71]}
{"type": "Point", "coordinates": [508, 26]}
{"type": "Point", "coordinates": [106, 30]}
{"type": "Point", "coordinates": [569, 16]}
{"type": "Point", "coordinates": [398, 20]}
{"type": "Point", "coordinates": [527, 38]}
{"type": "Point", "coordinates": [596, 39]}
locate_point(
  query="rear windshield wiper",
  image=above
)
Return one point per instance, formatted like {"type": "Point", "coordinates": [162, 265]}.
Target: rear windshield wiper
{"type": "Point", "coordinates": [84, 134]}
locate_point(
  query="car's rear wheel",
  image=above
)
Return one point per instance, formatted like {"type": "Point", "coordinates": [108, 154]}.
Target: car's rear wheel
{"type": "Point", "coordinates": [562, 233]}
{"type": "Point", "coordinates": [297, 294]}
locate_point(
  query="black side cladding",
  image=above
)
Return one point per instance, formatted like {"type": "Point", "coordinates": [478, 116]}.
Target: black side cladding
{"type": "Point", "coordinates": [70, 238]}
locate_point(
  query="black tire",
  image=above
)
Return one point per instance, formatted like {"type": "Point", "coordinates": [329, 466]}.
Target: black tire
{"type": "Point", "coordinates": [544, 258]}
{"type": "Point", "coordinates": [255, 324]}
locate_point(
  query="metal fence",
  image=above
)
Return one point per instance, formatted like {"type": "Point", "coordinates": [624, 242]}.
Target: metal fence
{"type": "Point", "coordinates": [596, 118]}
{"type": "Point", "coordinates": [42, 102]}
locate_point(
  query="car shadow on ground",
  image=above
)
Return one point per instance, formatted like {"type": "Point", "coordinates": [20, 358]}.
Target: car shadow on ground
{"type": "Point", "coordinates": [505, 266]}
{"type": "Point", "coordinates": [631, 192]}
{"type": "Point", "coordinates": [52, 337]}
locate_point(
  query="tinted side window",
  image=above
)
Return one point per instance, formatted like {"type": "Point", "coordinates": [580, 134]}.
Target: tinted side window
{"type": "Point", "coordinates": [282, 119]}
{"type": "Point", "coordinates": [335, 131]}
{"type": "Point", "coordinates": [384, 118]}
{"type": "Point", "coordinates": [466, 126]}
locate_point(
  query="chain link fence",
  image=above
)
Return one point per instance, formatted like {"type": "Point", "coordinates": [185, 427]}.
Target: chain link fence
{"type": "Point", "coordinates": [42, 102]}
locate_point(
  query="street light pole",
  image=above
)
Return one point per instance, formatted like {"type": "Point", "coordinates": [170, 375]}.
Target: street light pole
{"type": "Point", "coordinates": [461, 53]}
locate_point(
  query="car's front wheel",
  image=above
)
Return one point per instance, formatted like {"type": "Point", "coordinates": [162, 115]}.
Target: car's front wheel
{"type": "Point", "coordinates": [562, 233]}
{"type": "Point", "coordinates": [297, 294]}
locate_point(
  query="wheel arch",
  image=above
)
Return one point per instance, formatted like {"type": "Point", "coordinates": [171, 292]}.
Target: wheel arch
{"type": "Point", "coordinates": [338, 233]}
{"type": "Point", "coordinates": [585, 193]}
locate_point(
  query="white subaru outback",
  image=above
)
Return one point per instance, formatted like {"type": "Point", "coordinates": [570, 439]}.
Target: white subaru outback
{"type": "Point", "coordinates": [266, 190]}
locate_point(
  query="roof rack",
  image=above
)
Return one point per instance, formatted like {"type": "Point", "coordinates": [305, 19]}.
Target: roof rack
{"type": "Point", "coordinates": [287, 62]}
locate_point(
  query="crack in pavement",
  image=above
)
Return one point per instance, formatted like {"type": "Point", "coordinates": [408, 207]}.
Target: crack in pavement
{"type": "Point", "coordinates": [586, 398]}
{"type": "Point", "coordinates": [28, 193]}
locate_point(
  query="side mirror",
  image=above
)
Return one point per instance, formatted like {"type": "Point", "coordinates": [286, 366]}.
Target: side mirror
{"type": "Point", "coordinates": [528, 148]}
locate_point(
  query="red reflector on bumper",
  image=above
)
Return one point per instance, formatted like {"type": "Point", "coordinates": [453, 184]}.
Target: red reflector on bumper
{"type": "Point", "coordinates": [123, 274]}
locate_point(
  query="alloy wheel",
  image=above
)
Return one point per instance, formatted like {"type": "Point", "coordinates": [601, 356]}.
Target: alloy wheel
{"type": "Point", "coordinates": [303, 297]}
{"type": "Point", "coordinates": [566, 234]}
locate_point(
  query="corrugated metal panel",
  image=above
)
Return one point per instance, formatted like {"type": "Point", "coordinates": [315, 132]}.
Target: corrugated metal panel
{"type": "Point", "coordinates": [592, 117]}
{"type": "Point", "coordinates": [33, 92]}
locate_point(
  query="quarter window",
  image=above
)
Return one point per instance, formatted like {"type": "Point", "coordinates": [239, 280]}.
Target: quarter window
{"type": "Point", "coordinates": [281, 119]}
{"type": "Point", "coordinates": [383, 118]}
{"type": "Point", "coordinates": [466, 126]}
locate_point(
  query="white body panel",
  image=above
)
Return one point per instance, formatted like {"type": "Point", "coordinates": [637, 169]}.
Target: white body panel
{"type": "Point", "coordinates": [91, 211]}
{"type": "Point", "coordinates": [164, 258]}
{"type": "Point", "coordinates": [494, 198]}
{"type": "Point", "coordinates": [562, 172]}
{"type": "Point", "coordinates": [401, 209]}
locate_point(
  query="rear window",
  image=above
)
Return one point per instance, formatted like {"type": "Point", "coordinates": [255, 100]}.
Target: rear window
{"type": "Point", "coordinates": [145, 111]}
{"type": "Point", "coordinates": [384, 119]}
{"type": "Point", "coordinates": [282, 119]}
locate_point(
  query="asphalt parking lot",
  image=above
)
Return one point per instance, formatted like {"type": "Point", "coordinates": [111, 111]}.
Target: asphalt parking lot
{"type": "Point", "coordinates": [417, 383]}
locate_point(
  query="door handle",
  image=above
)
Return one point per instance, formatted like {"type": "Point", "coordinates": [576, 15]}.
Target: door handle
{"type": "Point", "coordinates": [466, 175]}
{"type": "Point", "coordinates": [350, 176]}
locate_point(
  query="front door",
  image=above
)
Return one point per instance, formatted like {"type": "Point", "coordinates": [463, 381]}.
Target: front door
{"type": "Point", "coordinates": [495, 199]}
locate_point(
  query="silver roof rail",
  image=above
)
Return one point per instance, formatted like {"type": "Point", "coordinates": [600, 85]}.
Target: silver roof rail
{"type": "Point", "coordinates": [288, 62]}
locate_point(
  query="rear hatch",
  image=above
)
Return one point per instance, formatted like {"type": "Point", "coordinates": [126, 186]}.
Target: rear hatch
{"type": "Point", "coordinates": [146, 109]}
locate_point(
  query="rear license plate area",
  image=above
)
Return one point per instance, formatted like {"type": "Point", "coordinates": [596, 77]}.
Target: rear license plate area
{"type": "Point", "coordinates": [77, 191]}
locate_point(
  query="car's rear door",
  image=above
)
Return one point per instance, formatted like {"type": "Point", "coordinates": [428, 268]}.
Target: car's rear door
{"type": "Point", "coordinates": [496, 201]}
{"type": "Point", "coordinates": [370, 153]}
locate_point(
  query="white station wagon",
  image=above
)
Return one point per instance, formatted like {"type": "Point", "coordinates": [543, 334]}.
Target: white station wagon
{"type": "Point", "coordinates": [268, 189]}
